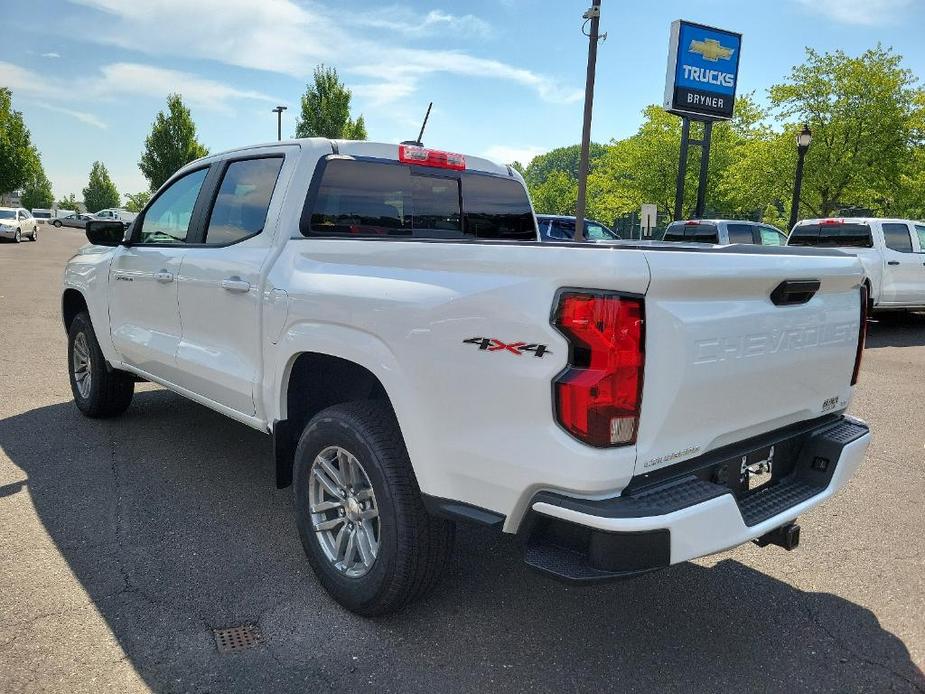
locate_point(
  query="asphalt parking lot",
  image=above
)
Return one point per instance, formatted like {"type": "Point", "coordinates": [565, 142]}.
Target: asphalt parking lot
{"type": "Point", "coordinates": [124, 543]}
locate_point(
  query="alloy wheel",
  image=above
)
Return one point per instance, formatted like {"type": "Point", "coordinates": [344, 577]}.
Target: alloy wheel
{"type": "Point", "coordinates": [344, 512]}
{"type": "Point", "coordinates": [81, 365]}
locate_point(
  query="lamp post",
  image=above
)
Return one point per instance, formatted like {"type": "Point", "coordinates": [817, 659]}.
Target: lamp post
{"type": "Point", "coordinates": [804, 138]}
{"type": "Point", "coordinates": [279, 122]}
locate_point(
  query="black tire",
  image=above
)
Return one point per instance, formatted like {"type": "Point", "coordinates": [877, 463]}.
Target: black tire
{"type": "Point", "coordinates": [18, 237]}
{"type": "Point", "coordinates": [110, 391]}
{"type": "Point", "coordinates": [35, 234]}
{"type": "Point", "coordinates": [414, 547]}
{"type": "Point", "coordinates": [57, 223]}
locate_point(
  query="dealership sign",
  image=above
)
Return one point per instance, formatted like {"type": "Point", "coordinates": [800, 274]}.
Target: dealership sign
{"type": "Point", "coordinates": [703, 69]}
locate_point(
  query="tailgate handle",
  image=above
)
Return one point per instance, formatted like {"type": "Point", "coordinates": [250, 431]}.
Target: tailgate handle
{"type": "Point", "coordinates": [793, 292]}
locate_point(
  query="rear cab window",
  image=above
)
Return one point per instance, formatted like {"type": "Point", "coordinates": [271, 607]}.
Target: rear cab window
{"type": "Point", "coordinates": [363, 198]}
{"type": "Point", "coordinates": [740, 233]}
{"type": "Point", "coordinates": [692, 232]}
{"type": "Point", "coordinates": [832, 235]}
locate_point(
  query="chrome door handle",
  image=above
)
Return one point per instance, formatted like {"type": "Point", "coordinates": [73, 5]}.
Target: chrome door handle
{"type": "Point", "coordinates": [163, 276]}
{"type": "Point", "coordinates": [236, 284]}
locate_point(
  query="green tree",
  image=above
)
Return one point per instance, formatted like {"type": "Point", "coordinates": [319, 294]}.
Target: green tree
{"type": "Point", "coordinates": [560, 159]}
{"type": "Point", "coordinates": [69, 203]}
{"type": "Point", "coordinates": [171, 144]}
{"type": "Point", "coordinates": [16, 151]}
{"type": "Point", "coordinates": [558, 194]}
{"type": "Point", "coordinates": [326, 109]}
{"type": "Point", "coordinates": [136, 201]}
{"type": "Point", "coordinates": [866, 115]}
{"type": "Point", "coordinates": [100, 192]}
{"type": "Point", "coordinates": [36, 193]}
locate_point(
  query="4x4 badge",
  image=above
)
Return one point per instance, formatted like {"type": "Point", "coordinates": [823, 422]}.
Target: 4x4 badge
{"type": "Point", "coordinates": [491, 344]}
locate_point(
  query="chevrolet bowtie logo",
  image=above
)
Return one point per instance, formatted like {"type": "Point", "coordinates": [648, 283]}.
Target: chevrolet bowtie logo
{"type": "Point", "coordinates": [711, 50]}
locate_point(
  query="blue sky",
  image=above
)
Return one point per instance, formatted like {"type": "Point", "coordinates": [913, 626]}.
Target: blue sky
{"type": "Point", "coordinates": [506, 76]}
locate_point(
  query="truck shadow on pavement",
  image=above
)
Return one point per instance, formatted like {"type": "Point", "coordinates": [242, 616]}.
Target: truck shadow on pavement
{"type": "Point", "coordinates": [169, 519]}
{"type": "Point", "coordinates": [896, 330]}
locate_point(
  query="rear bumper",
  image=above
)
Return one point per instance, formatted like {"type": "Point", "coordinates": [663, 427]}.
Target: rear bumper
{"type": "Point", "coordinates": [689, 516]}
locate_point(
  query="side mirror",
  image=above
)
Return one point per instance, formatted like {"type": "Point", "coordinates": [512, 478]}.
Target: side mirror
{"type": "Point", "coordinates": [102, 232]}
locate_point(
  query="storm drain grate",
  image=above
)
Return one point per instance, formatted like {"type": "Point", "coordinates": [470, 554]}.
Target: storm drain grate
{"type": "Point", "coordinates": [234, 639]}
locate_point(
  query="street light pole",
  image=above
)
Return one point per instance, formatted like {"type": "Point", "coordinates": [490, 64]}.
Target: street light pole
{"type": "Point", "coordinates": [804, 138]}
{"type": "Point", "coordinates": [279, 122]}
{"type": "Point", "coordinates": [593, 14]}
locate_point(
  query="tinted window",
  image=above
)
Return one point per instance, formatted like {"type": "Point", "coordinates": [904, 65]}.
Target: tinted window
{"type": "Point", "coordinates": [897, 238]}
{"type": "Point", "coordinates": [7, 214]}
{"type": "Point", "coordinates": [362, 198]}
{"type": "Point", "coordinates": [831, 235]}
{"type": "Point", "coordinates": [771, 237]}
{"type": "Point", "coordinates": [596, 231]}
{"type": "Point", "coordinates": [740, 233]}
{"type": "Point", "coordinates": [168, 218]}
{"type": "Point", "coordinates": [42, 215]}
{"type": "Point", "coordinates": [240, 208]}
{"type": "Point", "coordinates": [379, 199]}
{"type": "Point", "coordinates": [497, 208]}
{"type": "Point", "coordinates": [692, 232]}
{"type": "Point", "coordinates": [920, 230]}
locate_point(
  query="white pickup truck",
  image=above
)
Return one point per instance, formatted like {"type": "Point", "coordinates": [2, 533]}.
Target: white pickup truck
{"type": "Point", "coordinates": [388, 314]}
{"type": "Point", "coordinates": [892, 252]}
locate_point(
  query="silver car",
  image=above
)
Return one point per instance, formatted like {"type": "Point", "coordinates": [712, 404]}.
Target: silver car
{"type": "Point", "coordinates": [16, 223]}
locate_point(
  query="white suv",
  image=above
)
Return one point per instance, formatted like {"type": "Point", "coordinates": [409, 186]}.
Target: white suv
{"type": "Point", "coordinates": [15, 223]}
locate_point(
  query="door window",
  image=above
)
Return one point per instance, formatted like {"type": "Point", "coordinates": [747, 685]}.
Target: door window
{"type": "Point", "coordinates": [168, 218]}
{"type": "Point", "coordinates": [240, 209]}
{"type": "Point", "coordinates": [771, 237]}
{"type": "Point", "coordinates": [897, 238]}
{"type": "Point", "coordinates": [740, 233]}
{"type": "Point", "coordinates": [920, 230]}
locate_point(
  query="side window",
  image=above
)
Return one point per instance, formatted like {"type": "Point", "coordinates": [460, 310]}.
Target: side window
{"type": "Point", "coordinates": [920, 230]}
{"type": "Point", "coordinates": [168, 218]}
{"type": "Point", "coordinates": [771, 237]}
{"type": "Point", "coordinates": [740, 233]}
{"type": "Point", "coordinates": [23, 215]}
{"type": "Point", "coordinates": [240, 208]}
{"type": "Point", "coordinates": [896, 236]}
{"type": "Point", "coordinates": [561, 230]}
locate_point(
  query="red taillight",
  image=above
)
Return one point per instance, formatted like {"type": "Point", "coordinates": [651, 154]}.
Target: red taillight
{"type": "Point", "coordinates": [598, 397]}
{"type": "Point", "coordinates": [862, 335]}
{"type": "Point", "coordinates": [412, 154]}
{"type": "Point", "coordinates": [832, 221]}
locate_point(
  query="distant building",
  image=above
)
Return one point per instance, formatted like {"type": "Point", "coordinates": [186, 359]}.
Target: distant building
{"type": "Point", "coordinates": [13, 199]}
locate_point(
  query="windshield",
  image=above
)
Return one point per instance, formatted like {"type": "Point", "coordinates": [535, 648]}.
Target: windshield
{"type": "Point", "coordinates": [366, 198]}
{"type": "Point", "coordinates": [564, 230]}
{"type": "Point", "coordinates": [7, 214]}
{"type": "Point", "coordinates": [832, 235]}
{"type": "Point", "coordinates": [692, 232]}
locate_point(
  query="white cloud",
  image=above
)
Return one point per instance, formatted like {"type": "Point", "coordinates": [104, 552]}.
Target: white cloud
{"type": "Point", "coordinates": [147, 80]}
{"type": "Point", "coordinates": [285, 37]}
{"type": "Point", "coordinates": [26, 82]}
{"type": "Point", "coordinates": [508, 155]}
{"type": "Point", "coordinates": [861, 12]}
{"type": "Point", "coordinates": [51, 54]}
{"type": "Point", "coordinates": [435, 23]}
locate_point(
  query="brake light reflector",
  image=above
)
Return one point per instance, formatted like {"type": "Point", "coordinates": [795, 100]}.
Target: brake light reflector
{"type": "Point", "coordinates": [862, 336]}
{"type": "Point", "coordinates": [412, 154]}
{"type": "Point", "coordinates": [599, 395]}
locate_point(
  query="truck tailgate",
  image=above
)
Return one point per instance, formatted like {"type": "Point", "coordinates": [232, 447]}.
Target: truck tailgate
{"type": "Point", "coordinates": [724, 363]}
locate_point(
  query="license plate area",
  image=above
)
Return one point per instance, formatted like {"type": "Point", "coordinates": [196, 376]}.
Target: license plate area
{"type": "Point", "coordinates": [756, 469]}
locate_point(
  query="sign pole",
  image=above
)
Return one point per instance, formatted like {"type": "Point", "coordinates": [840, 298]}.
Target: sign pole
{"type": "Point", "coordinates": [594, 14]}
{"type": "Point", "coordinates": [704, 164]}
{"type": "Point", "coordinates": [682, 167]}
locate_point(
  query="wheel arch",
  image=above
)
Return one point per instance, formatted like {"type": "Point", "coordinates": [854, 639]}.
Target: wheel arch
{"type": "Point", "coordinates": [312, 382]}
{"type": "Point", "coordinates": [72, 303]}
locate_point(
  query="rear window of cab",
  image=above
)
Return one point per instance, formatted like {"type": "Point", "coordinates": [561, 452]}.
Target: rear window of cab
{"type": "Point", "coordinates": [692, 233]}
{"type": "Point", "coordinates": [835, 235]}
{"type": "Point", "coordinates": [380, 199]}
